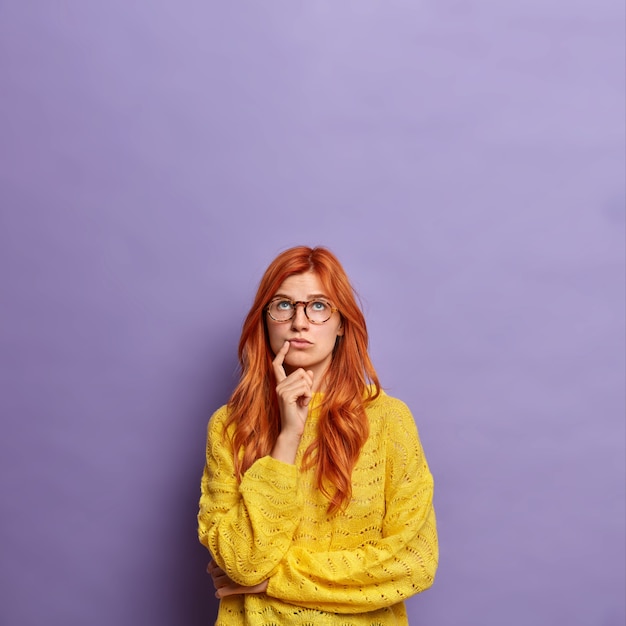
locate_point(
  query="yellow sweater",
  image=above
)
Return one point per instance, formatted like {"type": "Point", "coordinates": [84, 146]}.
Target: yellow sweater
{"type": "Point", "coordinates": [354, 568]}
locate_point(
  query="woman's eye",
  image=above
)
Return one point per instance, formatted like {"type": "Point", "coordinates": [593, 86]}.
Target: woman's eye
{"type": "Point", "coordinates": [283, 305]}
{"type": "Point", "coordinates": [318, 305]}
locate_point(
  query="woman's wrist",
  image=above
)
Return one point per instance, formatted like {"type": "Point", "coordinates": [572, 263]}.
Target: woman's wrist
{"type": "Point", "coordinates": [286, 447]}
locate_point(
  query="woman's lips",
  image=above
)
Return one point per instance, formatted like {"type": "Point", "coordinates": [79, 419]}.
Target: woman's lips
{"type": "Point", "coordinates": [299, 343]}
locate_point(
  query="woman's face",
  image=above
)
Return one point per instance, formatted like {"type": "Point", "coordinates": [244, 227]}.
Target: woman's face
{"type": "Point", "coordinates": [311, 345]}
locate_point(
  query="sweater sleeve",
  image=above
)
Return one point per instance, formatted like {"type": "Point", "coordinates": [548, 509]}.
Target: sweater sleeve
{"type": "Point", "coordinates": [381, 573]}
{"type": "Point", "coordinates": [247, 527]}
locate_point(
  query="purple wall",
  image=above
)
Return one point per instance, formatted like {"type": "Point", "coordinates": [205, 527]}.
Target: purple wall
{"type": "Point", "coordinates": [466, 162]}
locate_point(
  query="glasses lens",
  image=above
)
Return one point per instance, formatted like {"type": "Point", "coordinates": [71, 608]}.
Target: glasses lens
{"type": "Point", "coordinates": [318, 311]}
{"type": "Point", "coordinates": [281, 310]}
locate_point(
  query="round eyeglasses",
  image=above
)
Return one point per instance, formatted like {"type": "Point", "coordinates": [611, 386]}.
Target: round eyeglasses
{"type": "Point", "coordinates": [317, 311]}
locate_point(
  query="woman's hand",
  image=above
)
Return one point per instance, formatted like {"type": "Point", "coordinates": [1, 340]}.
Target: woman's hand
{"type": "Point", "coordinates": [294, 394]}
{"type": "Point", "coordinates": [224, 586]}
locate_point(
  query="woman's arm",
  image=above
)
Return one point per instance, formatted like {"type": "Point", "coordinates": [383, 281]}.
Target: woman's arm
{"type": "Point", "coordinates": [248, 528]}
{"type": "Point", "coordinates": [403, 562]}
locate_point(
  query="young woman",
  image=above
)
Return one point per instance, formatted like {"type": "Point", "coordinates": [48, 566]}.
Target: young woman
{"type": "Point", "coordinates": [316, 498]}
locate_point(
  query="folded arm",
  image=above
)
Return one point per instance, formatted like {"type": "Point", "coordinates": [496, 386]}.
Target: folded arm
{"type": "Point", "coordinates": [248, 528]}
{"type": "Point", "coordinates": [383, 572]}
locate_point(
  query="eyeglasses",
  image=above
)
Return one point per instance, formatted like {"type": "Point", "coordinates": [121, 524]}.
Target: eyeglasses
{"type": "Point", "coordinates": [317, 311]}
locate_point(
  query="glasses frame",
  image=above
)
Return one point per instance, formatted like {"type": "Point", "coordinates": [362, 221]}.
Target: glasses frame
{"type": "Point", "coordinates": [305, 304]}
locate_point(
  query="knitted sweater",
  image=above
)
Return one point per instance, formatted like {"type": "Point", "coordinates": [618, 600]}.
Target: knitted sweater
{"type": "Point", "coordinates": [353, 568]}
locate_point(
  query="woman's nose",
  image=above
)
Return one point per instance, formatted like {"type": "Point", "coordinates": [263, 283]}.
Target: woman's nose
{"type": "Point", "coordinates": [299, 319]}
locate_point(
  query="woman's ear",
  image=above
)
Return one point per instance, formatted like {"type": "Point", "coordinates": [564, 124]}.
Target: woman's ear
{"type": "Point", "coordinates": [340, 330]}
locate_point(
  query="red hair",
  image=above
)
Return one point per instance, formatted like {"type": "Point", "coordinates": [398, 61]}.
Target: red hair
{"type": "Point", "coordinates": [350, 381]}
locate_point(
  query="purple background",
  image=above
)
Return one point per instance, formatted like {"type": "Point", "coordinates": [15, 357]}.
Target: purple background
{"type": "Point", "coordinates": [465, 160]}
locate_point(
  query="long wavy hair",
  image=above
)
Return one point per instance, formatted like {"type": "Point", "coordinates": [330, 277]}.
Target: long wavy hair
{"type": "Point", "coordinates": [350, 382]}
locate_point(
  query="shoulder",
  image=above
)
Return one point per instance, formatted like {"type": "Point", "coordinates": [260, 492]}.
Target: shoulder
{"type": "Point", "coordinates": [393, 426]}
{"type": "Point", "coordinates": [217, 421]}
{"type": "Point", "coordinates": [390, 416]}
{"type": "Point", "coordinates": [385, 406]}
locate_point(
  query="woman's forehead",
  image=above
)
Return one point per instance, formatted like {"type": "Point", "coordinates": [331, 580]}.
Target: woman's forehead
{"type": "Point", "coordinates": [302, 286]}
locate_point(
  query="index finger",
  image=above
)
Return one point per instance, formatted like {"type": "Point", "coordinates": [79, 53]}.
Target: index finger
{"type": "Point", "coordinates": [277, 363]}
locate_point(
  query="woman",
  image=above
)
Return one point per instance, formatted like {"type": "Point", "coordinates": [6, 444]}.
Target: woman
{"type": "Point", "coordinates": [316, 500]}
